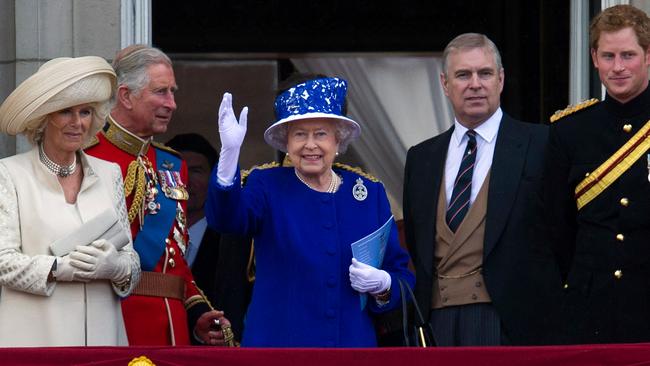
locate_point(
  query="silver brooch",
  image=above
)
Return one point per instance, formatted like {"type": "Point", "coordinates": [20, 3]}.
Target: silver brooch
{"type": "Point", "coordinates": [359, 191]}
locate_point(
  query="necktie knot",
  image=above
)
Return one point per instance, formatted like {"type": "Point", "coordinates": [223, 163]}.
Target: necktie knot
{"type": "Point", "coordinates": [471, 142]}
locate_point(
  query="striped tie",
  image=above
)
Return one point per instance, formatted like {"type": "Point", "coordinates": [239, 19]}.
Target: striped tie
{"type": "Point", "coordinates": [459, 203]}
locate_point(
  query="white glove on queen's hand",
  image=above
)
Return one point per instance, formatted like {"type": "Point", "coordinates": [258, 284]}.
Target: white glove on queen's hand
{"type": "Point", "coordinates": [231, 133]}
{"type": "Point", "coordinates": [100, 260]}
{"type": "Point", "coordinates": [365, 278]}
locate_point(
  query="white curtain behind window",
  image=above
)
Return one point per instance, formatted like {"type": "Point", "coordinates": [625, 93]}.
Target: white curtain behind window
{"type": "Point", "coordinates": [397, 100]}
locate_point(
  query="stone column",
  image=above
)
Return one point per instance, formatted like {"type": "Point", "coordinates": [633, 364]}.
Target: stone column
{"type": "Point", "coordinates": [34, 31]}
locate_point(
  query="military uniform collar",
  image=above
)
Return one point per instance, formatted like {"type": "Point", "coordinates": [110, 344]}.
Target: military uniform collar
{"type": "Point", "coordinates": [124, 139]}
{"type": "Point", "coordinates": [635, 107]}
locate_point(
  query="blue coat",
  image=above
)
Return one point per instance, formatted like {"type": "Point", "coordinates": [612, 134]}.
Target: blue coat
{"type": "Point", "coordinates": [302, 295]}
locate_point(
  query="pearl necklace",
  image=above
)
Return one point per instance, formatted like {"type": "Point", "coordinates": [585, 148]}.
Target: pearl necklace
{"type": "Point", "coordinates": [62, 171]}
{"type": "Point", "coordinates": [334, 182]}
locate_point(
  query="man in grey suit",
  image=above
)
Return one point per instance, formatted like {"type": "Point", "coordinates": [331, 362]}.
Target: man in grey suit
{"type": "Point", "coordinates": [471, 206]}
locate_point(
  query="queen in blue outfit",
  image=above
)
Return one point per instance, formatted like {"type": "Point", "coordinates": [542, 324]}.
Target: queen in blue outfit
{"type": "Point", "coordinates": [303, 219]}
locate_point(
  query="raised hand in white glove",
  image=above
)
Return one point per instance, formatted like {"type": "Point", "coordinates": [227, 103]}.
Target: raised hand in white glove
{"type": "Point", "coordinates": [100, 260]}
{"type": "Point", "coordinates": [365, 278]}
{"type": "Point", "coordinates": [231, 133]}
{"type": "Point", "coordinates": [65, 271]}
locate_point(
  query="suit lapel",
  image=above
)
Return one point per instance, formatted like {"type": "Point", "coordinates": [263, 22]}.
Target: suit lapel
{"type": "Point", "coordinates": [432, 168]}
{"type": "Point", "coordinates": [208, 253]}
{"type": "Point", "coordinates": [507, 164]}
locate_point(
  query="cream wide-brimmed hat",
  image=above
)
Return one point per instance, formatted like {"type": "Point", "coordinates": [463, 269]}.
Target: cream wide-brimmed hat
{"type": "Point", "coordinates": [317, 98]}
{"type": "Point", "coordinates": [58, 84]}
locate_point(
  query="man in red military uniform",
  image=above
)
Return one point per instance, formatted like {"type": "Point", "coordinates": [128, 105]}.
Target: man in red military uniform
{"type": "Point", "coordinates": [166, 308]}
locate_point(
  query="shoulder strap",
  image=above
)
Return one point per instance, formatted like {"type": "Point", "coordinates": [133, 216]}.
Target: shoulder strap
{"type": "Point", "coordinates": [572, 109]}
{"type": "Point", "coordinates": [166, 148]}
{"type": "Point", "coordinates": [423, 338]}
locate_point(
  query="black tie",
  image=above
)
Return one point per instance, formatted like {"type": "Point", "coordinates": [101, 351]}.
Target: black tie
{"type": "Point", "coordinates": [459, 203]}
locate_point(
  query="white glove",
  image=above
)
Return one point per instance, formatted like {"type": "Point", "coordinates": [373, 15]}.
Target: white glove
{"type": "Point", "coordinates": [365, 278]}
{"type": "Point", "coordinates": [231, 133]}
{"type": "Point", "coordinates": [65, 271]}
{"type": "Point", "coordinates": [100, 260]}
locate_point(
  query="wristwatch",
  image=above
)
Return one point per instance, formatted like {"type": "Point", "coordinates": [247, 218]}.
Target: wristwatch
{"type": "Point", "coordinates": [383, 298]}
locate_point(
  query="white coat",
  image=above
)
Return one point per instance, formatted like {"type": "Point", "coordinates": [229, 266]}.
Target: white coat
{"type": "Point", "coordinates": [33, 214]}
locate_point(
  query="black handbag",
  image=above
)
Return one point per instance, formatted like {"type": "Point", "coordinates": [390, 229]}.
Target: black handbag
{"type": "Point", "coordinates": [418, 333]}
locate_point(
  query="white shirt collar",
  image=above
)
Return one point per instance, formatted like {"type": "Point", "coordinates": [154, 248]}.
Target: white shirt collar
{"type": "Point", "coordinates": [487, 130]}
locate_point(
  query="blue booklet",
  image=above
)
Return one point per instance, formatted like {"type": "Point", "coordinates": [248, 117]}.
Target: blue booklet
{"type": "Point", "coordinates": [371, 249]}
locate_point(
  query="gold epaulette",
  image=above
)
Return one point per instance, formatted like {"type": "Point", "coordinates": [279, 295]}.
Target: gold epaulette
{"type": "Point", "coordinates": [246, 172]}
{"type": "Point", "coordinates": [93, 141]}
{"type": "Point", "coordinates": [573, 108]}
{"type": "Point", "coordinates": [356, 170]}
{"type": "Point", "coordinates": [165, 147]}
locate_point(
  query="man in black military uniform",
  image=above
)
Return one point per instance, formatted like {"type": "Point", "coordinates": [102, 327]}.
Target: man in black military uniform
{"type": "Point", "coordinates": [598, 197]}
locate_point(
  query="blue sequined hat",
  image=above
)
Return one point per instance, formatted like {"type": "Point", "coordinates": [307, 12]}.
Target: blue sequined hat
{"type": "Point", "coordinates": [318, 98]}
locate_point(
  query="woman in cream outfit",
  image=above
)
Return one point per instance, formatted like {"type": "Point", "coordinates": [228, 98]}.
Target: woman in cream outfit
{"type": "Point", "coordinates": [49, 193]}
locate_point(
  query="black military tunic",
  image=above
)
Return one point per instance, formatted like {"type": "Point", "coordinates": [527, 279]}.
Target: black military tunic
{"type": "Point", "coordinates": [604, 248]}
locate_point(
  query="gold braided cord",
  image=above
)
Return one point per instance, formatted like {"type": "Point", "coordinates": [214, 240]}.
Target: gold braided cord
{"type": "Point", "coordinates": [138, 197]}
{"type": "Point", "coordinates": [129, 179]}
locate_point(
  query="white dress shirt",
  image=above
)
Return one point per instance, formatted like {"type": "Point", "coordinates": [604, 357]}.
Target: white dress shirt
{"type": "Point", "coordinates": [486, 138]}
{"type": "Point", "coordinates": [195, 233]}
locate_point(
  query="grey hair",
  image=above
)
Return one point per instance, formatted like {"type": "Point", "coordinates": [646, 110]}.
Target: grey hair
{"type": "Point", "coordinates": [469, 41]}
{"type": "Point", "coordinates": [131, 66]}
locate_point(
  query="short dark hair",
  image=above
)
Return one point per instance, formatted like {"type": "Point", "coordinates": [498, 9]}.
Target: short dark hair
{"type": "Point", "coordinates": [195, 143]}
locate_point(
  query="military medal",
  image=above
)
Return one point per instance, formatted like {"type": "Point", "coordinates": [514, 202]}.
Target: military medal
{"type": "Point", "coordinates": [172, 185]}
{"type": "Point", "coordinates": [180, 217]}
{"type": "Point", "coordinates": [359, 191]}
{"type": "Point", "coordinates": [153, 207]}
{"type": "Point", "coordinates": [181, 223]}
{"type": "Point", "coordinates": [168, 165]}
{"type": "Point", "coordinates": [178, 237]}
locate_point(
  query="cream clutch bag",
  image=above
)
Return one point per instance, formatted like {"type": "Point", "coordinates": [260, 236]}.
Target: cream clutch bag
{"type": "Point", "coordinates": [103, 226]}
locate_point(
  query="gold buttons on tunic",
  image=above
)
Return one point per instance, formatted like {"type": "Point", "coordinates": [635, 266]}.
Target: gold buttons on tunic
{"type": "Point", "coordinates": [586, 174]}
{"type": "Point", "coordinates": [624, 202]}
{"type": "Point", "coordinates": [172, 262]}
{"type": "Point", "coordinates": [620, 237]}
{"type": "Point", "coordinates": [618, 274]}
{"type": "Point", "coordinates": [627, 127]}
{"type": "Point", "coordinates": [172, 252]}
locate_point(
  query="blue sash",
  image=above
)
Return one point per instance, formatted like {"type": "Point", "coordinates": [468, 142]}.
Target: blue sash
{"type": "Point", "coordinates": [150, 242]}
